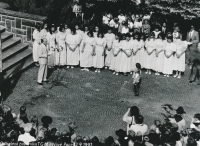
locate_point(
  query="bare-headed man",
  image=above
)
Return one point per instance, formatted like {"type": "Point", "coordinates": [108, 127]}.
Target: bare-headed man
{"type": "Point", "coordinates": [43, 54]}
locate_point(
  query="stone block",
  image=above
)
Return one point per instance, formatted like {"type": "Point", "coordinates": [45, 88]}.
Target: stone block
{"type": "Point", "coordinates": [18, 23]}
{"type": "Point", "coordinates": [18, 31]}
{"type": "Point", "coordinates": [2, 23]}
{"type": "Point", "coordinates": [0, 17]}
{"type": "Point", "coordinates": [29, 34]}
{"type": "Point", "coordinates": [8, 17]}
{"type": "Point", "coordinates": [28, 23]}
{"type": "Point", "coordinates": [14, 24]}
{"type": "Point", "coordinates": [24, 27]}
{"type": "Point", "coordinates": [8, 25]}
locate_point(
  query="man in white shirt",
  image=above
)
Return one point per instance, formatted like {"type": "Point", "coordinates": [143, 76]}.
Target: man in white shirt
{"type": "Point", "coordinates": [139, 126]}
{"type": "Point", "coordinates": [26, 137]}
{"type": "Point", "coordinates": [43, 54]}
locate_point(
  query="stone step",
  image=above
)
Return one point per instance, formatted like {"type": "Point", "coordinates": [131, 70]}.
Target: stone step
{"type": "Point", "coordinates": [2, 23]}
{"type": "Point", "coordinates": [16, 59]}
{"type": "Point", "coordinates": [5, 36]}
{"type": "Point", "coordinates": [10, 43]}
{"type": "Point", "coordinates": [14, 50]}
{"type": "Point", "coordinates": [18, 68]}
{"type": "Point", "coordinates": [2, 29]}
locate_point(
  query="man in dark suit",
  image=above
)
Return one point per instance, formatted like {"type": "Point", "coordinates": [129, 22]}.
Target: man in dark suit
{"type": "Point", "coordinates": [164, 30]}
{"type": "Point", "coordinates": [194, 53]}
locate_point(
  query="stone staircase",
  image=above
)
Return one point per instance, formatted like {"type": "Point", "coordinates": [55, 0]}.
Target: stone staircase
{"type": "Point", "coordinates": [17, 56]}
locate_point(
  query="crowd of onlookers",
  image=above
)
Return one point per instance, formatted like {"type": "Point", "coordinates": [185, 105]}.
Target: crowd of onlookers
{"type": "Point", "coordinates": [171, 131]}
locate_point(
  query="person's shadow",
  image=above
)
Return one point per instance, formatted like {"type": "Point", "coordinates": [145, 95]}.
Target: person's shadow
{"type": "Point", "coordinates": [9, 83]}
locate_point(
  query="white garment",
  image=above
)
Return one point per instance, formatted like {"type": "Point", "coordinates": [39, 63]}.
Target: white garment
{"type": "Point", "coordinates": [139, 128]}
{"type": "Point", "coordinates": [37, 40]}
{"type": "Point", "coordinates": [26, 138]}
{"type": "Point", "coordinates": [106, 19]}
{"type": "Point", "coordinates": [125, 30]}
{"type": "Point", "coordinates": [121, 18]}
{"type": "Point", "coordinates": [156, 33]}
{"type": "Point", "coordinates": [137, 24]}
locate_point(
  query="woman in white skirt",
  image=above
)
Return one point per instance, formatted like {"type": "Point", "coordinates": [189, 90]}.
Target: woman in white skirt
{"type": "Point", "coordinates": [115, 59]}
{"type": "Point", "coordinates": [110, 37]}
{"type": "Point", "coordinates": [168, 57]}
{"type": "Point", "coordinates": [142, 52]}
{"type": "Point", "coordinates": [79, 32]}
{"type": "Point", "coordinates": [51, 38]}
{"type": "Point", "coordinates": [136, 48]}
{"type": "Point", "coordinates": [126, 60]}
{"type": "Point", "coordinates": [179, 57]}
{"type": "Point", "coordinates": [67, 30]}
{"type": "Point", "coordinates": [150, 53]}
{"type": "Point", "coordinates": [87, 51]}
{"type": "Point", "coordinates": [36, 44]}
{"type": "Point", "coordinates": [44, 31]}
{"type": "Point", "coordinates": [73, 42]}
{"type": "Point", "coordinates": [160, 46]}
{"type": "Point", "coordinates": [61, 58]}
{"type": "Point", "coordinates": [98, 59]}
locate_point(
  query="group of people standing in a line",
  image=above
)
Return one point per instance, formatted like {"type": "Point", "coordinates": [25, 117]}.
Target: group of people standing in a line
{"type": "Point", "coordinates": [118, 52]}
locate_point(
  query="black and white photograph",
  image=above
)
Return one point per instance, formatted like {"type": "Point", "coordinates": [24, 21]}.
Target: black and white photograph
{"type": "Point", "coordinates": [99, 72]}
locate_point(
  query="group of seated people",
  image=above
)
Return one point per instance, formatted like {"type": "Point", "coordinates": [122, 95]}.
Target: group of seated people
{"type": "Point", "coordinates": [172, 131]}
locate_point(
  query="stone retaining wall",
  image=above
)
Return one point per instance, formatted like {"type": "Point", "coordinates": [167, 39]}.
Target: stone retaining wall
{"type": "Point", "coordinates": [20, 24]}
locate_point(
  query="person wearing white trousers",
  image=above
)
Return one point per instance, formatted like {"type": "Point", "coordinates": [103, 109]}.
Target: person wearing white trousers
{"type": "Point", "coordinates": [43, 54]}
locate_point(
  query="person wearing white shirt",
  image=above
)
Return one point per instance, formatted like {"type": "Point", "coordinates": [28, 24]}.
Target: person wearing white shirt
{"type": "Point", "coordinates": [139, 126]}
{"type": "Point", "coordinates": [125, 29]}
{"type": "Point", "coordinates": [121, 18]}
{"type": "Point", "coordinates": [26, 137]}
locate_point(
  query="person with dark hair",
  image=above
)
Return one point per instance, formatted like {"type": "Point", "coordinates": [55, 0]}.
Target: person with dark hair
{"type": "Point", "coordinates": [179, 57]}
{"type": "Point", "coordinates": [110, 37]}
{"type": "Point", "coordinates": [160, 46]}
{"type": "Point", "coordinates": [61, 53]}
{"type": "Point", "coordinates": [156, 32]}
{"type": "Point", "coordinates": [79, 31]}
{"type": "Point", "coordinates": [96, 31]}
{"type": "Point", "coordinates": [168, 57]}
{"type": "Point", "coordinates": [129, 116]}
{"type": "Point", "coordinates": [67, 30]}
{"type": "Point", "coordinates": [164, 30]}
{"type": "Point", "coordinates": [150, 53]}
{"type": "Point", "coordinates": [73, 42]}
{"type": "Point", "coordinates": [37, 41]}
{"type": "Point", "coordinates": [193, 38]}
{"type": "Point", "coordinates": [142, 52]}
{"type": "Point", "coordinates": [146, 27]}
{"type": "Point", "coordinates": [126, 60]}
{"type": "Point", "coordinates": [139, 125]}
{"type": "Point", "coordinates": [51, 45]}
{"type": "Point", "coordinates": [137, 78]}
{"type": "Point", "coordinates": [87, 51]}
{"type": "Point", "coordinates": [85, 31]}
{"type": "Point", "coordinates": [44, 30]}
{"type": "Point", "coordinates": [116, 55]}
{"type": "Point", "coordinates": [98, 59]}
{"type": "Point", "coordinates": [136, 46]}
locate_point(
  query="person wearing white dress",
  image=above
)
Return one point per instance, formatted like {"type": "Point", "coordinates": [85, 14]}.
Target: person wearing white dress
{"type": "Point", "coordinates": [179, 57]}
{"type": "Point", "coordinates": [87, 51]}
{"type": "Point", "coordinates": [79, 32]}
{"type": "Point", "coordinates": [109, 41]}
{"type": "Point", "coordinates": [150, 53]}
{"type": "Point", "coordinates": [85, 31]}
{"type": "Point", "coordinates": [115, 59]}
{"type": "Point", "coordinates": [43, 32]}
{"type": "Point", "coordinates": [51, 39]}
{"type": "Point", "coordinates": [159, 45]}
{"type": "Point", "coordinates": [126, 60]}
{"type": "Point", "coordinates": [73, 42]}
{"type": "Point", "coordinates": [168, 57]}
{"type": "Point", "coordinates": [142, 52]}
{"type": "Point", "coordinates": [62, 52]}
{"type": "Point", "coordinates": [136, 49]}
{"type": "Point", "coordinates": [98, 59]}
{"type": "Point", "coordinates": [36, 44]}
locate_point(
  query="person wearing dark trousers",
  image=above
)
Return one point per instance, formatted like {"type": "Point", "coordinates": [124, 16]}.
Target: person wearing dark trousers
{"type": "Point", "coordinates": [136, 82]}
{"type": "Point", "coordinates": [193, 38]}
{"type": "Point", "coordinates": [195, 71]}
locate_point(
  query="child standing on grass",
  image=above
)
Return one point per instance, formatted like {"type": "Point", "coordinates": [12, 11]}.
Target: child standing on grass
{"type": "Point", "coordinates": [137, 78]}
